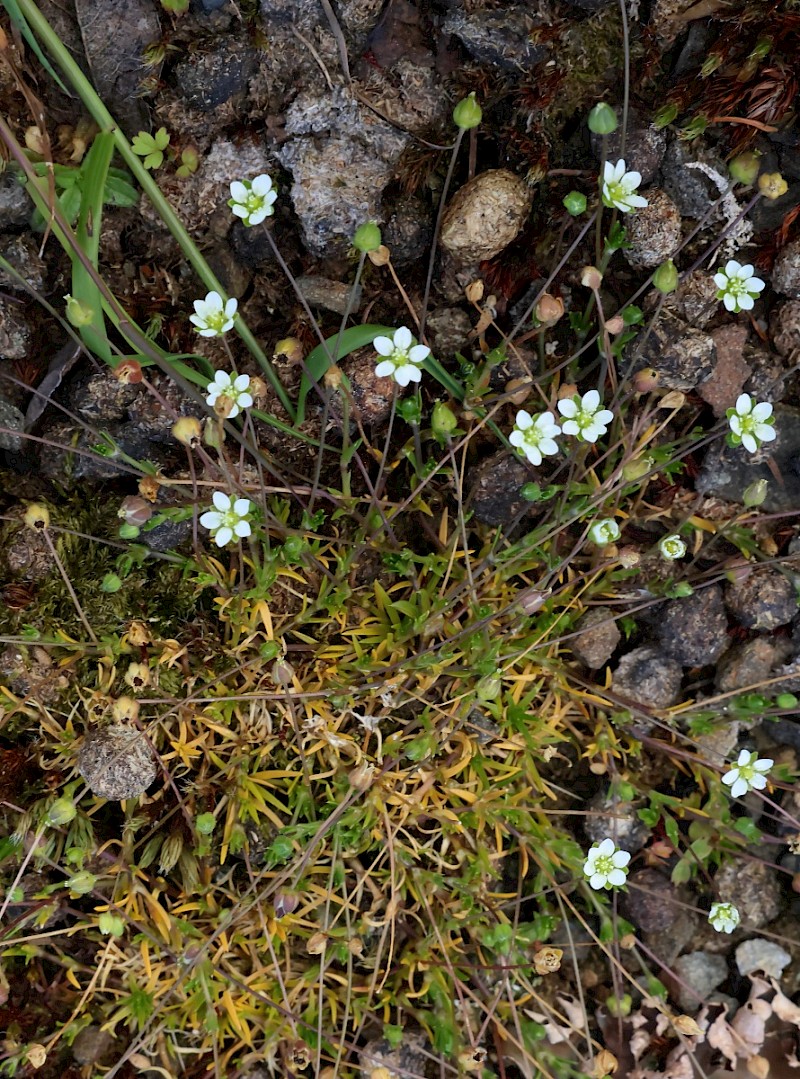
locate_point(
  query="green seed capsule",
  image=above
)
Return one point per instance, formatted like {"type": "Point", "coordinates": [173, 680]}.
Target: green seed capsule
{"type": "Point", "coordinates": [367, 237]}
{"type": "Point", "coordinates": [467, 113]}
{"type": "Point", "coordinates": [602, 119]}
{"type": "Point", "coordinates": [575, 203]}
{"type": "Point", "coordinates": [665, 278]}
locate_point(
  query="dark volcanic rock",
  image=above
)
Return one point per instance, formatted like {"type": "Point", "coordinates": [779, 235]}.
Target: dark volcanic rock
{"type": "Point", "coordinates": [495, 489]}
{"type": "Point", "coordinates": [764, 600]}
{"type": "Point", "coordinates": [693, 630]}
{"type": "Point", "coordinates": [649, 677]}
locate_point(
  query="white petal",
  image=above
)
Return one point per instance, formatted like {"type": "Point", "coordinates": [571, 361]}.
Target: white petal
{"type": "Point", "coordinates": [221, 501]}
{"type": "Point", "coordinates": [590, 400]}
{"type": "Point", "coordinates": [731, 777]}
{"type": "Point", "coordinates": [239, 211]}
{"type": "Point", "coordinates": [637, 201]}
{"type": "Point", "coordinates": [739, 788]}
{"type": "Point", "coordinates": [604, 416]}
{"type": "Point", "coordinates": [224, 536]}
{"type": "Point", "coordinates": [720, 280]}
{"type": "Point", "coordinates": [608, 172]}
{"type": "Point", "coordinates": [597, 881]}
{"type": "Point", "coordinates": [384, 369]}
{"type": "Point", "coordinates": [244, 400]}
{"type": "Point", "coordinates": [732, 268]}
{"type": "Point", "coordinates": [242, 528]}
{"type": "Point", "coordinates": [241, 382]}
{"type": "Point", "coordinates": [403, 338]}
{"type": "Point", "coordinates": [745, 272]}
{"type": "Point", "coordinates": [401, 375]}
{"type": "Point", "coordinates": [516, 438]}
{"type": "Point", "coordinates": [591, 434]}
{"type": "Point", "coordinates": [616, 877]}
{"type": "Point", "coordinates": [762, 411]}
{"type": "Point", "coordinates": [238, 191]}
{"type": "Point", "coordinates": [233, 411]}
{"type": "Point", "coordinates": [548, 447]}
{"type": "Point", "coordinates": [524, 420]}
{"type": "Point", "coordinates": [621, 858]}
{"type": "Point", "coordinates": [758, 782]}
{"type": "Point", "coordinates": [606, 847]}
{"type": "Point", "coordinates": [735, 423]}
{"type": "Point", "coordinates": [533, 454]}
{"type": "Point", "coordinates": [744, 405]}
{"type": "Point", "coordinates": [384, 346]}
{"type": "Point", "coordinates": [208, 333]}
{"type": "Point", "coordinates": [749, 443]}
{"type": "Point", "coordinates": [212, 398]}
{"type": "Point", "coordinates": [262, 184]}
{"type": "Point", "coordinates": [567, 408]}
{"type": "Point", "coordinates": [213, 301]}
{"type": "Point", "coordinates": [746, 302]}
{"type": "Point", "coordinates": [242, 507]}
{"type": "Point", "coordinates": [765, 432]}
{"type": "Point", "coordinates": [230, 307]}
{"type": "Point", "coordinates": [570, 427]}
{"type": "Point", "coordinates": [419, 353]}
{"type": "Point", "coordinates": [618, 171]}
{"type": "Point", "coordinates": [222, 379]}
{"type": "Point", "coordinates": [729, 301]}
{"type": "Point", "coordinates": [414, 373]}
{"type": "Point", "coordinates": [755, 284]}
{"type": "Point", "coordinates": [197, 320]}
{"type": "Point", "coordinates": [211, 519]}
{"type": "Point", "coordinates": [257, 216]}
{"type": "Point", "coordinates": [632, 180]}
{"type": "Point", "coordinates": [744, 757]}
{"type": "Point", "coordinates": [764, 764]}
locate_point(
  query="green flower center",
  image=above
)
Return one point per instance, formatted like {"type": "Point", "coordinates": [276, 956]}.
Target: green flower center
{"type": "Point", "coordinates": [605, 865]}
{"type": "Point", "coordinates": [216, 320]}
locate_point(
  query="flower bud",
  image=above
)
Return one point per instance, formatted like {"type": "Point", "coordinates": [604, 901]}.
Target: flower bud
{"type": "Point", "coordinates": [474, 291]}
{"type": "Point", "coordinates": [615, 325]}
{"type": "Point", "coordinates": [380, 256]}
{"type": "Point", "coordinates": [37, 517]}
{"type": "Point", "coordinates": [604, 532]}
{"type": "Point", "coordinates": [135, 511]}
{"type": "Point", "coordinates": [665, 278]}
{"type": "Point", "coordinates": [285, 903]}
{"type": "Point", "coordinates": [591, 278]}
{"type": "Point", "coordinates": [744, 167]}
{"type": "Point", "coordinates": [125, 709]}
{"type": "Point", "coordinates": [82, 883]}
{"type": "Point", "coordinates": [532, 600]}
{"type": "Point", "coordinates": [213, 434]}
{"type": "Point", "coordinates": [549, 309]}
{"type": "Point", "coordinates": [467, 113]}
{"type": "Point", "coordinates": [575, 203]}
{"type": "Point", "coordinates": [111, 924]}
{"type": "Point", "coordinates": [282, 672]}
{"type": "Point", "coordinates": [489, 688]}
{"type": "Point", "coordinates": [78, 314]}
{"type": "Point", "coordinates": [634, 470]}
{"type": "Point", "coordinates": [772, 185]}
{"type": "Point", "coordinates": [111, 583]}
{"type": "Point", "coordinates": [360, 778]}
{"type": "Point", "coordinates": [443, 421]}
{"type": "Point", "coordinates": [187, 430]}
{"type": "Point", "coordinates": [170, 852]}
{"type": "Point", "coordinates": [409, 409]}
{"type": "Point", "coordinates": [602, 119]}
{"type": "Point", "coordinates": [129, 372]}
{"type": "Point", "coordinates": [367, 237]}
{"type": "Point", "coordinates": [62, 811]}
{"type": "Point", "coordinates": [755, 493]}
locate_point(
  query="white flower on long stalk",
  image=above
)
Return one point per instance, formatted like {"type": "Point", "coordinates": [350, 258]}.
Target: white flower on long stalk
{"type": "Point", "coordinates": [228, 519]}
{"type": "Point", "coordinates": [213, 316]}
{"type": "Point", "coordinates": [724, 917]}
{"type": "Point", "coordinates": [751, 423]}
{"type": "Point", "coordinates": [737, 286]}
{"type": "Point", "coordinates": [252, 199]}
{"type": "Point", "coordinates": [606, 866]}
{"type": "Point", "coordinates": [402, 357]}
{"type": "Point", "coordinates": [229, 394]}
{"type": "Point", "coordinates": [585, 416]}
{"type": "Point", "coordinates": [618, 188]}
{"type": "Point", "coordinates": [535, 437]}
{"type": "Point", "coordinates": [748, 774]}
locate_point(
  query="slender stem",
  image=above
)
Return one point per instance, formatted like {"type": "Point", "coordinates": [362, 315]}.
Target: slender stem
{"type": "Point", "coordinates": [437, 230]}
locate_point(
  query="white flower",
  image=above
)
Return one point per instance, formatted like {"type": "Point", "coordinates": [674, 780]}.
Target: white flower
{"type": "Point", "coordinates": [751, 423]}
{"type": "Point", "coordinates": [737, 286]}
{"type": "Point", "coordinates": [232, 390]}
{"type": "Point", "coordinates": [252, 199]}
{"type": "Point", "coordinates": [724, 917]}
{"type": "Point", "coordinates": [604, 532]}
{"type": "Point", "coordinates": [403, 357]}
{"type": "Point", "coordinates": [672, 547]}
{"type": "Point", "coordinates": [585, 416]}
{"type": "Point", "coordinates": [212, 316]}
{"type": "Point", "coordinates": [749, 774]}
{"type": "Point", "coordinates": [606, 866]}
{"type": "Point", "coordinates": [535, 436]}
{"type": "Point", "coordinates": [618, 188]}
{"type": "Point", "coordinates": [228, 519]}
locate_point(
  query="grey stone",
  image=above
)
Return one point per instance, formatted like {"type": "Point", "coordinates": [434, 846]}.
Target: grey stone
{"type": "Point", "coordinates": [371, 396]}
{"type": "Point", "coordinates": [693, 630]}
{"type": "Point", "coordinates": [15, 205]}
{"type": "Point", "coordinates": [651, 901]}
{"type": "Point", "coordinates": [747, 664]}
{"type": "Point", "coordinates": [648, 677]}
{"type": "Point", "coordinates": [11, 420]}
{"type": "Point", "coordinates": [608, 815]}
{"type": "Point", "coordinates": [763, 955]}
{"type": "Point", "coordinates": [682, 356]}
{"type": "Point", "coordinates": [92, 1045]}
{"type": "Point", "coordinates": [329, 294]}
{"type": "Point", "coordinates": [784, 325]}
{"type": "Point", "coordinates": [495, 489]}
{"type": "Point", "coordinates": [765, 599]}
{"type": "Point", "coordinates": [409, 230]}
{"type": "Point", "coordinates": [501, 38]}
{"type": "Point", "coordinates": [786, 271]}
{"type": "Point", "coordinates": [644, 145]}
{"type": "Point", "coordinates": [768, 373]}
{"type": "Point", "coordinates": [410, 1057]}
{"type": "Point", "coordinates": [727, 471]}
{"type": "Point", "coordinates": [702, 973]}
{"type": "Point", "coordinates": [449, 329]}
{"type": "Point", "coordinates": [597, 639]}
{"type": "Point", "coordinates": [22, 254]}
{"type": "Point", "coordinates": [207, 80]}
{"type": "Point", "coordinates": [117, 762]}
{"type": "Point", "coordinates": [753, 888]}
{"type": "Point", "coordinates": [691, 190]}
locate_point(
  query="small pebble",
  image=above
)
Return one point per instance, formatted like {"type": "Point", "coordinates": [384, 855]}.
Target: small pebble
{"type": "Point", "coordinates": [763, 955]}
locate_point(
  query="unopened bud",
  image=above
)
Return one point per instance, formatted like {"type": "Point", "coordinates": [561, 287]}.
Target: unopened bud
{"type": "Point", "coordinates": [129, 372]}
{"type": "Point", "coordinates": [135, 511]}
{"type": "Point", "coordinates": [602, 119]}
{"type": "Point", "coordinates": [213, 434]}
{"type": "Point", "coordinates": [575, 203]}
{"type": "Point", "coordinates": [591, 278]}
{"type": "Point", "coordinates": [615, 325]}
{"type": "Point", "coordinates": [360, 778]}
{"type": "Point", "coordinates": [532, 600]}
{"type": "Point", "coordinates": [367, 237]}
{"type": "Point", "coordinates": [665, 278]}
{"type": "Point", "coordinates": [744, 167]}
{"type": "Point", "coordinates": [282, 672]}
{"type": "Point", "coordinates": [474, 291]}
{"type": "Point", "coordinates": [78, 314]}
{"type": "Point", "coordinates": [332, 379]}
{"type": "Point", "coordinates": [489, 689]}
{"type": "Point", "coordinates": [62, 811]}
{"type": "Point", "coordinates": [37, 517]}
{"type": "Point", "coordinates": [82, 883]}
{"type": "Point", "coordinates": [755, 493]}
{"type": "Point", "coordinates": [772, 185]}
{"type": "Point", "coordinates": [467, 113]}
{"type": "Point", "coordinates": [443, 421]}
{"type": "Point", "coordinates": [549, 309]}
{"type": "Point", "coordinates": [637, 468]}
{"type": "Point", "coordinates": [187, 430]}
{"type": "Point", "coordinates": [285, 903]}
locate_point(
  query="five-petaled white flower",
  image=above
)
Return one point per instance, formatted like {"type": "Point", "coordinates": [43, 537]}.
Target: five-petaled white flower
{"type": "Point", "coordinates": [672, 547]}
{"type": "Point", "coordinates": [724, 917]}
{"type": "Point", "coordinates": [585, 416]}
{"type": "Point", "coordinates": [751, 423]}
{"type": "Point", "coordinates": [604, 532]}
{"type": "Point", "coordinates": [228, 518]}
{"type": "Point", "coordinates": [252, 199]}
{"type": "Point", "coordinates": [213, 316]}
{"type": "Point", "coordinates": [606, 866]}
{"type": "Point", "coordinates": [748, 774]}
{"type": "Point", "coordinates": [619, 188]}
{"type": "Point", "coordinates": [737, 287]}
{"type": "Point", "coordinates": [228, 394]}
{"type": "Point", "coordinates": [402, 357]}
{"type": "Point", "coordinates": [535, 436]}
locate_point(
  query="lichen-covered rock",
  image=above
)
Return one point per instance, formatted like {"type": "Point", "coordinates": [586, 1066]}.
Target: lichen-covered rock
{"type": "Point", "coordinates": [15, 206]}
{"type": "Point", "coordinates": [681, 356]}
{"type": "Point", "coordinates": [648, 677]}
{"type": "Point", "coordinates": [644, 146]}
{"type": "Point", "coordinates": [501, 38]}
{"type": "Point", "coordinates": [694, 300]}
{"type": "Point", "coordinates": [22, 254]}
{"type": "Point", "coordinates": [768, 374]}
{"type": "Point", "coordinates": [485, 215]}
{"type": "Point", "coordinates": [748, 664]}
{"type": "Point", "coordinates": [612, 816]}
{"type": "Point", "coordinates": [11, 420]}
{"type": "Point", "coordinates": [409, 230]}
{"type": "Point", "coordinates": [379, 1058]}
{"type": "Point", "coordinates": [372, 396]}
{"type": "Point", "coordinates": [16, 331]}
{"type": "Point", "coordinates": [753, 888]}
{"type": "Point", "coordinates": [731, 370]}
{"type": "Point", "coordinates": [693, 629]}
{"type": "Point", "coordinates": [449, 329]}
{"type": "Point", "coordinates": [786, 271]}
{"type": "Point", "coordinates": [597, 638]}
{"type": "Point", "coordinates": [692, 191]}
{"type": "Point", "coordinates": [700, 974]}
{"type": "Point", "coordinates": [654, 232]}
{"type": "Point", "coordinates": [784, 325]}
{"type": "Point", "coordinates": [341, 157]}
{"type": "Point", "coordinates": [495, 489]}
{"type": "Point", "coordinates": [117, 762]}
{"type": "Point", "coordinates": [764, 600]}
{"type": "Point", "coordinates": [331, 295]}
{"type": "Point", "coordinates": [210, 79]}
